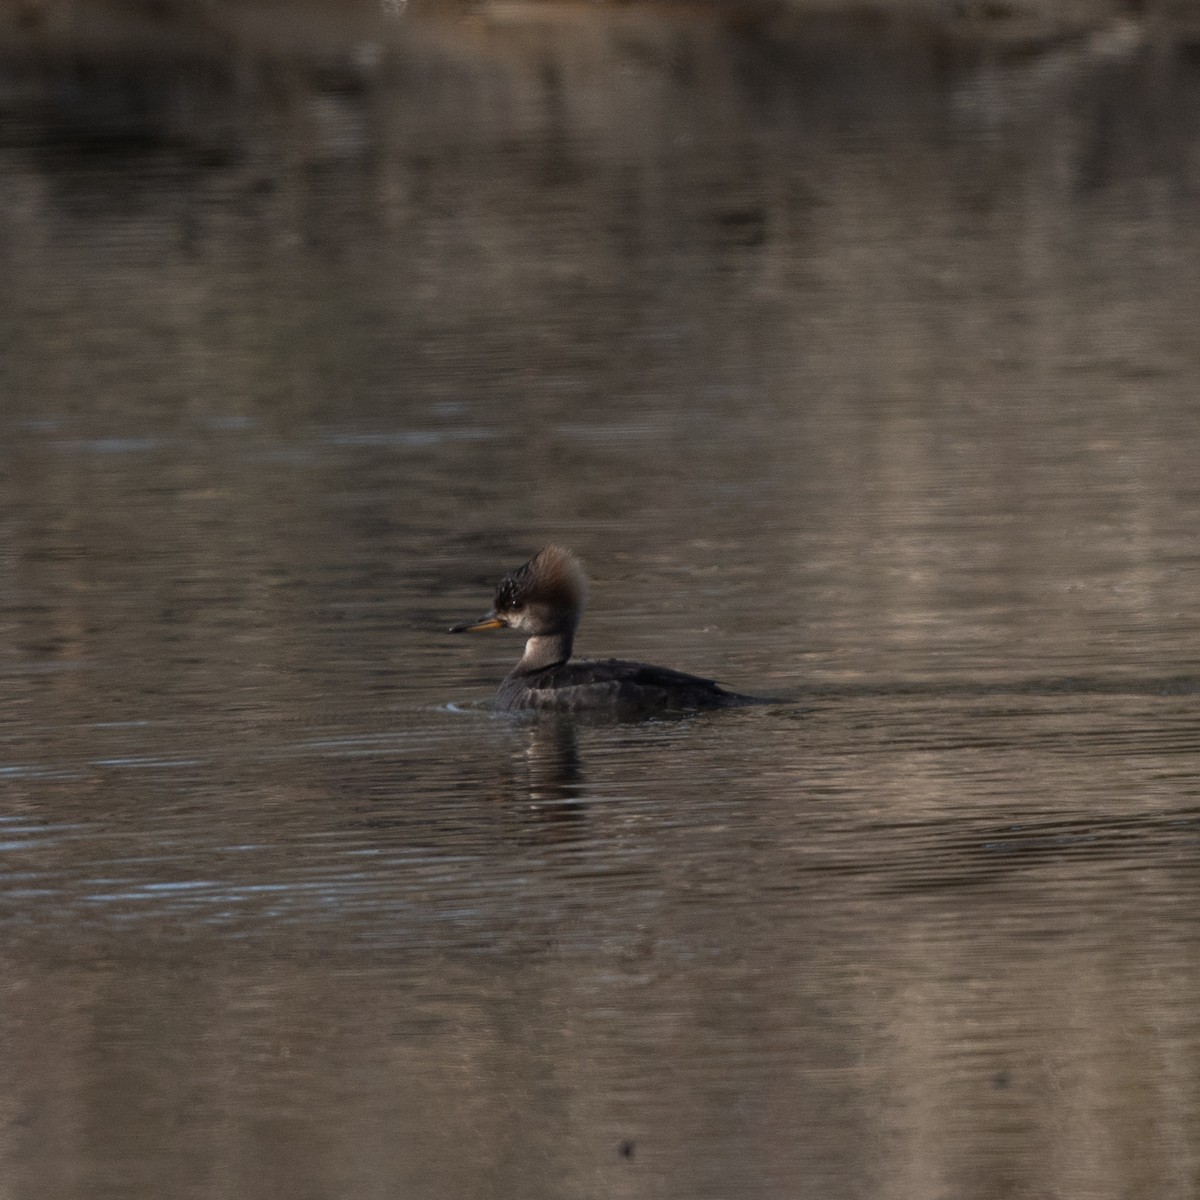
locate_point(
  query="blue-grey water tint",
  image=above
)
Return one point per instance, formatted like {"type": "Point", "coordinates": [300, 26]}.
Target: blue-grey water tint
{"type": "Point", "coordinates": [861, 366]}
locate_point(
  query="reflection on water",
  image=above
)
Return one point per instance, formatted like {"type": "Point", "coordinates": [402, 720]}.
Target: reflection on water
{"type": "Point", "coordinates": [860, 365]}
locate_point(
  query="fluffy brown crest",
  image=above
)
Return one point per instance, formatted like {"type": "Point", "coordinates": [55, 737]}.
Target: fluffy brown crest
{"type": "Point", "coordinates": [553, 577]}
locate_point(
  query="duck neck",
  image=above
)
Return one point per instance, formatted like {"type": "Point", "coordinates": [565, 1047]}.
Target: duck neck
{"type": "Point", "coordinates": [547, 650]}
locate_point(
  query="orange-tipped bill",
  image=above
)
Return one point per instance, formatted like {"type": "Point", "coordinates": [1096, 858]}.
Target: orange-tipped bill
{"type": "Point", "coordinates": [488, 621]}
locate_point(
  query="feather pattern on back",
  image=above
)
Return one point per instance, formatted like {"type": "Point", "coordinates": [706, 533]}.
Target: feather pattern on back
{"type": "Point", "coordinates": [616, 684]}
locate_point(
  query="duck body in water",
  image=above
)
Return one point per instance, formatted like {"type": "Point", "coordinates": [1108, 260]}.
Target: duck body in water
{"type": "Point", "coordinates": [544, 599]}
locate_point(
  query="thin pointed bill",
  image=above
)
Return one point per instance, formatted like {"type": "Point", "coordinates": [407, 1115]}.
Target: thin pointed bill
{"type": "Point", "coordinates": [489, 621]}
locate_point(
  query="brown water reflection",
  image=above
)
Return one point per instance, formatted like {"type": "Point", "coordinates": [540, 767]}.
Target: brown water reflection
{"type": "Point", "coordinates": [860, 365]}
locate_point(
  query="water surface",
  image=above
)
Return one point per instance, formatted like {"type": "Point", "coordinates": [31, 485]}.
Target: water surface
{"type": "Point", "coordinates": [860, 366]}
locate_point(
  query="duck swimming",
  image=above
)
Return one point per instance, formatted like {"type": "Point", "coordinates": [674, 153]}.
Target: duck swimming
{"type": "Point", "coordinates": [544, 599]}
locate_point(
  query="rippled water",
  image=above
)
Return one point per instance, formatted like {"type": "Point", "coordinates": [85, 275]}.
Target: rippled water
{"type": "Point", "coordinates": [861, 369]}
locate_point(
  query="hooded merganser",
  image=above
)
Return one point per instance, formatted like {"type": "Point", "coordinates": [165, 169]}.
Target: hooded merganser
{"type": "Point", "coordinates": [544, 599]}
